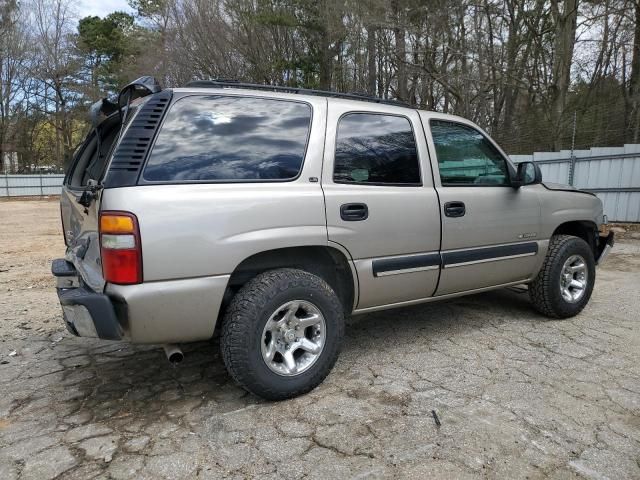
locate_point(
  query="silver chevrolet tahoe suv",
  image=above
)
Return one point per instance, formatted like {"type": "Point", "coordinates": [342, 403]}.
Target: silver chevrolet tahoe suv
{"type": "Point", "coordinates": [272, 213]}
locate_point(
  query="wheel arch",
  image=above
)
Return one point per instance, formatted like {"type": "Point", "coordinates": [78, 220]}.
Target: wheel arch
{"type": "Point", "coordinates": [329, 263]}
{"type": "Point", "coordinates": [584, 229]}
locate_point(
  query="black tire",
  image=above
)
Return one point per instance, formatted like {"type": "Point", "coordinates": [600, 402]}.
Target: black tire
{"type": "Point", "coordinates": [545, 290]}
{"type": "Point", "coordinates": [244, 322]}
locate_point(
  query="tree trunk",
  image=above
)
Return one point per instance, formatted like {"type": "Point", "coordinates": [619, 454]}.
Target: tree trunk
{"type": "Point", "coordinates": [633, 103]}
{"type": "Point", "coordinates": [371, 60]}
{"type": "Point", "coordinates": [464, 68]}
{"type": "Point", "coordinates": [326, 62]}
{"type": "Point", "coordinates": [508, 100]}
{"type": "Point", "coordinates": [565, 36]}
{"type": "Point", "coordinates": [402, 92]}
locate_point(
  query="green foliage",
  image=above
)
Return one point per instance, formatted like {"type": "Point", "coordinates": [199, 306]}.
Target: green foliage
{"type": "Point", "coordinates": [104, 38]}
{"type": "Point", "coordinates": [106, 43]}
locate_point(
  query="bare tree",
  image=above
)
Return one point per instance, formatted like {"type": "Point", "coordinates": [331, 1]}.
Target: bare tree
{"type": "Point", "coordinates": [565, 24]}
{"type": "Point", "coordinates": [56, 66]}
{"type": "Point", "coordinates": [519, 68]}
{"type": "Point", "coordinates": [633, 96]}
{"type": "Point", "coordinates": [11, 63]}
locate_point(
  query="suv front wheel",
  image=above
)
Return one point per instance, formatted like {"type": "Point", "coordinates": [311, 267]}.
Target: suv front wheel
{"type": "Point", "coordinates": [564, 284]}
{"type": "Point", "coordinates": [282, 333]}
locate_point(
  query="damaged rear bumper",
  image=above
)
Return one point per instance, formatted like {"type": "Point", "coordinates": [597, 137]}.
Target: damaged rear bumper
{"type": "Point", "coordinates": [86, 313]}
{"type": "Point", "coordinates": [167, 311]}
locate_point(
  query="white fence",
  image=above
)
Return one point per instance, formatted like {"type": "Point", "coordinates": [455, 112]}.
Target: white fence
{"type": "Point", "coordinates": [30, 185]}
{"type": "Point", "coordinates": [612, 173]}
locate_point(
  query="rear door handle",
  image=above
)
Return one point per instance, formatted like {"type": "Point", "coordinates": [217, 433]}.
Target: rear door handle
{"type": "Point", "coordinates": [455, 209]}
{"type": "Point", "coordinates": [353, 212]}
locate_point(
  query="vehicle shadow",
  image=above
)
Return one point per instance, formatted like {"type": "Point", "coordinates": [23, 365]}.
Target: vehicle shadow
{"type": "Point", "coordinates": [118, 379]}
{"type": "Point", "coordinates": [454, 314]}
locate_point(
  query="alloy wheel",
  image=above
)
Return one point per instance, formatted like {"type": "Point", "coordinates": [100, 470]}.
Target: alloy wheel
{"type": "Point", "coordinates": [293, 338]}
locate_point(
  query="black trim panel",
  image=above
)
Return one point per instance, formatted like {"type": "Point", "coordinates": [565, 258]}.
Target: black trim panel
{"type": "Point", "coordinates": [489, 253]}
{"type": "Point", "coordinates": [133, 148]}
{"type": "Point", "coordinates": [405, 263]}
{"type": "Point", "coordinates": [99, 307]}
{"type": "Point", "coordinates": [382, 265]}
{"type": "Point", "coordinates": [61, 268]}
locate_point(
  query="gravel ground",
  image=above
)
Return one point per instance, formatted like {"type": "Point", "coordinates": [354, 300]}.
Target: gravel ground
{"type": "Point", "coordinates": [516, 395]}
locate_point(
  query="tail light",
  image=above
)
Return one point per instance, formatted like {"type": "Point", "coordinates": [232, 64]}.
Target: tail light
{"type": "Point", "coordinates": [120, 248]}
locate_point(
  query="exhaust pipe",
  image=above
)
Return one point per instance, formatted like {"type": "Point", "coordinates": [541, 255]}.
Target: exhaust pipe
{"type": "Point", "coordinates": [173, 353]}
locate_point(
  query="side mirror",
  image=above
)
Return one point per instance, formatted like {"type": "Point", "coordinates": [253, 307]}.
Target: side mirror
{"type": "Point", "coordinates": [528, 174]}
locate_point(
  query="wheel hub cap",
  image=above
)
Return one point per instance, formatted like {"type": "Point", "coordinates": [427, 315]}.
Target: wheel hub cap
{"type": "Point", "coordinates": [573, 279]}
{"type": "Point", "coordinates": [293, 338]}
{"type": "Point", "coordinates": [289, 336]}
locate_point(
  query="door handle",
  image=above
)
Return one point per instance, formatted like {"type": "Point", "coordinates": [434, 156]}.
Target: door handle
{"type": "Point", "coordinates": [353, 212]}
{"type": "Point", "coordinates": [455, 209]}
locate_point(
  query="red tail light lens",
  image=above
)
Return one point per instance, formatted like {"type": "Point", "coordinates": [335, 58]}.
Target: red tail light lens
{"type": "Point", "coordinates": [120, 248]}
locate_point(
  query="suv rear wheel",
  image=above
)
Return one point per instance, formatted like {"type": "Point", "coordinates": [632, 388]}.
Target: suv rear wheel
{"type": "Point", "coordinates": [564, 284]}
{"type": "Point", "coordinates": [282, 333]}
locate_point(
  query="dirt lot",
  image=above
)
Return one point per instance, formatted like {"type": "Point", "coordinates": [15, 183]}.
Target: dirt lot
{"type": "Point", "coordinates": [517, 396]}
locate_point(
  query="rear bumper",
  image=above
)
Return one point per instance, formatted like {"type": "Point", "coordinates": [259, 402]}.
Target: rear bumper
{"type": "Point", "coordinates": [170, 311]}
{"type": "Point", "coordinates": [86, 313]}
{"type": "Point", "coordinates": [89, 314]}
{"type": "Point", "coordinates": [605, 244]}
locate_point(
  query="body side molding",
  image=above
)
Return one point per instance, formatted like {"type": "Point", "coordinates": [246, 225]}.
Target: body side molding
{"type": "Point", "coordinates": [449, 259]}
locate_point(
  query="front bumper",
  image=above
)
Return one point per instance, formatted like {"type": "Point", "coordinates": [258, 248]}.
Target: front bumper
{"type": "Point", "coordinates": [605, 244]}
{"type": "Point", "coordinates": [86, 313]}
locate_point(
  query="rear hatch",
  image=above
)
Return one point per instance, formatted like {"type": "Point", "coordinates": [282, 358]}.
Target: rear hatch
{"type": "Point", "coordinates": [82, 188]}
{"type": "Point", "coordinates": [80, 201]}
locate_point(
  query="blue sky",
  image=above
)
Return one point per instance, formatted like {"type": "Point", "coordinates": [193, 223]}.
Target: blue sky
{"type": "Point", "coordinates": [100, 7]}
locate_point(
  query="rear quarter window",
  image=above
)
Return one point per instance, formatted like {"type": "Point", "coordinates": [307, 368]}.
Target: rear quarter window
{"type": "Point", "coordinates": [219, 138]}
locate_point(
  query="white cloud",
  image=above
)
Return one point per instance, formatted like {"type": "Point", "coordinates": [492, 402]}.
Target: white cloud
{"type": "Point", "coordinates": [101, 8]}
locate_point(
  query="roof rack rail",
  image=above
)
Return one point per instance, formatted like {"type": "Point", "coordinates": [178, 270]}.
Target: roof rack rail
{"type": "Point", "coordinates": [221, 83]}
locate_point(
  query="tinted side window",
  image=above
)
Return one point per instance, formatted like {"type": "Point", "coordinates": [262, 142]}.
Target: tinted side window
{"type": "Point", "coordinates": [466, 157]}
{"type": "Point", "coordinates": [376, 149]}
{"type": "Point", "coordinates": [228, 138]}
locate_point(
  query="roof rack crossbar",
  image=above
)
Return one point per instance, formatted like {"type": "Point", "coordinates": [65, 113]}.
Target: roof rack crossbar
{"type": "Point", "coordinates": [283, 89]}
